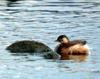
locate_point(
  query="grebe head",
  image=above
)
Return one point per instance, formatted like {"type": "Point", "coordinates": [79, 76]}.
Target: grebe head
{"type": "Point", "coordinates": [62, 39]}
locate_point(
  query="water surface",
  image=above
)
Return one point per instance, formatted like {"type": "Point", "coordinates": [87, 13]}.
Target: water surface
{"type": "Point", "coordinates": [45, 20]}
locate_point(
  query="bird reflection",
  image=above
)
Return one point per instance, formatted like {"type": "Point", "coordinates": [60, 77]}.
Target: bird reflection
{"type": "Point", "coordinates": [78, 58]}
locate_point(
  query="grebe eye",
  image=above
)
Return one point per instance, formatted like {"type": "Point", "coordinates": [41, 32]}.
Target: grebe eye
{"type": "Point", "coordinates": [61, 40]}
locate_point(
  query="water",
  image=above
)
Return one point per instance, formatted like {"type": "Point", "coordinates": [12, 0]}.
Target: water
{"type": "Point", "coordinates": [45, 20]}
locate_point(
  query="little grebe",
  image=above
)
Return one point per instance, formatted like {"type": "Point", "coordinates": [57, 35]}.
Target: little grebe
{"type": "Point", "coordinates": [67, 49]}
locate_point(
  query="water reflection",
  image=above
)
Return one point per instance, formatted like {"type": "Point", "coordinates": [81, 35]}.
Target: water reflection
{"type": "Point", "coordinates": [10, 2]}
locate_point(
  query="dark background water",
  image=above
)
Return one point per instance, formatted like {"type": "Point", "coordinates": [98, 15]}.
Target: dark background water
{"type": "Point", "coordinates": [45, 20]}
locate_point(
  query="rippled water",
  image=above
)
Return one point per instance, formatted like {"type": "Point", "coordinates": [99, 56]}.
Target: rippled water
{"type": "Point", "coordinates": [45, 20]}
